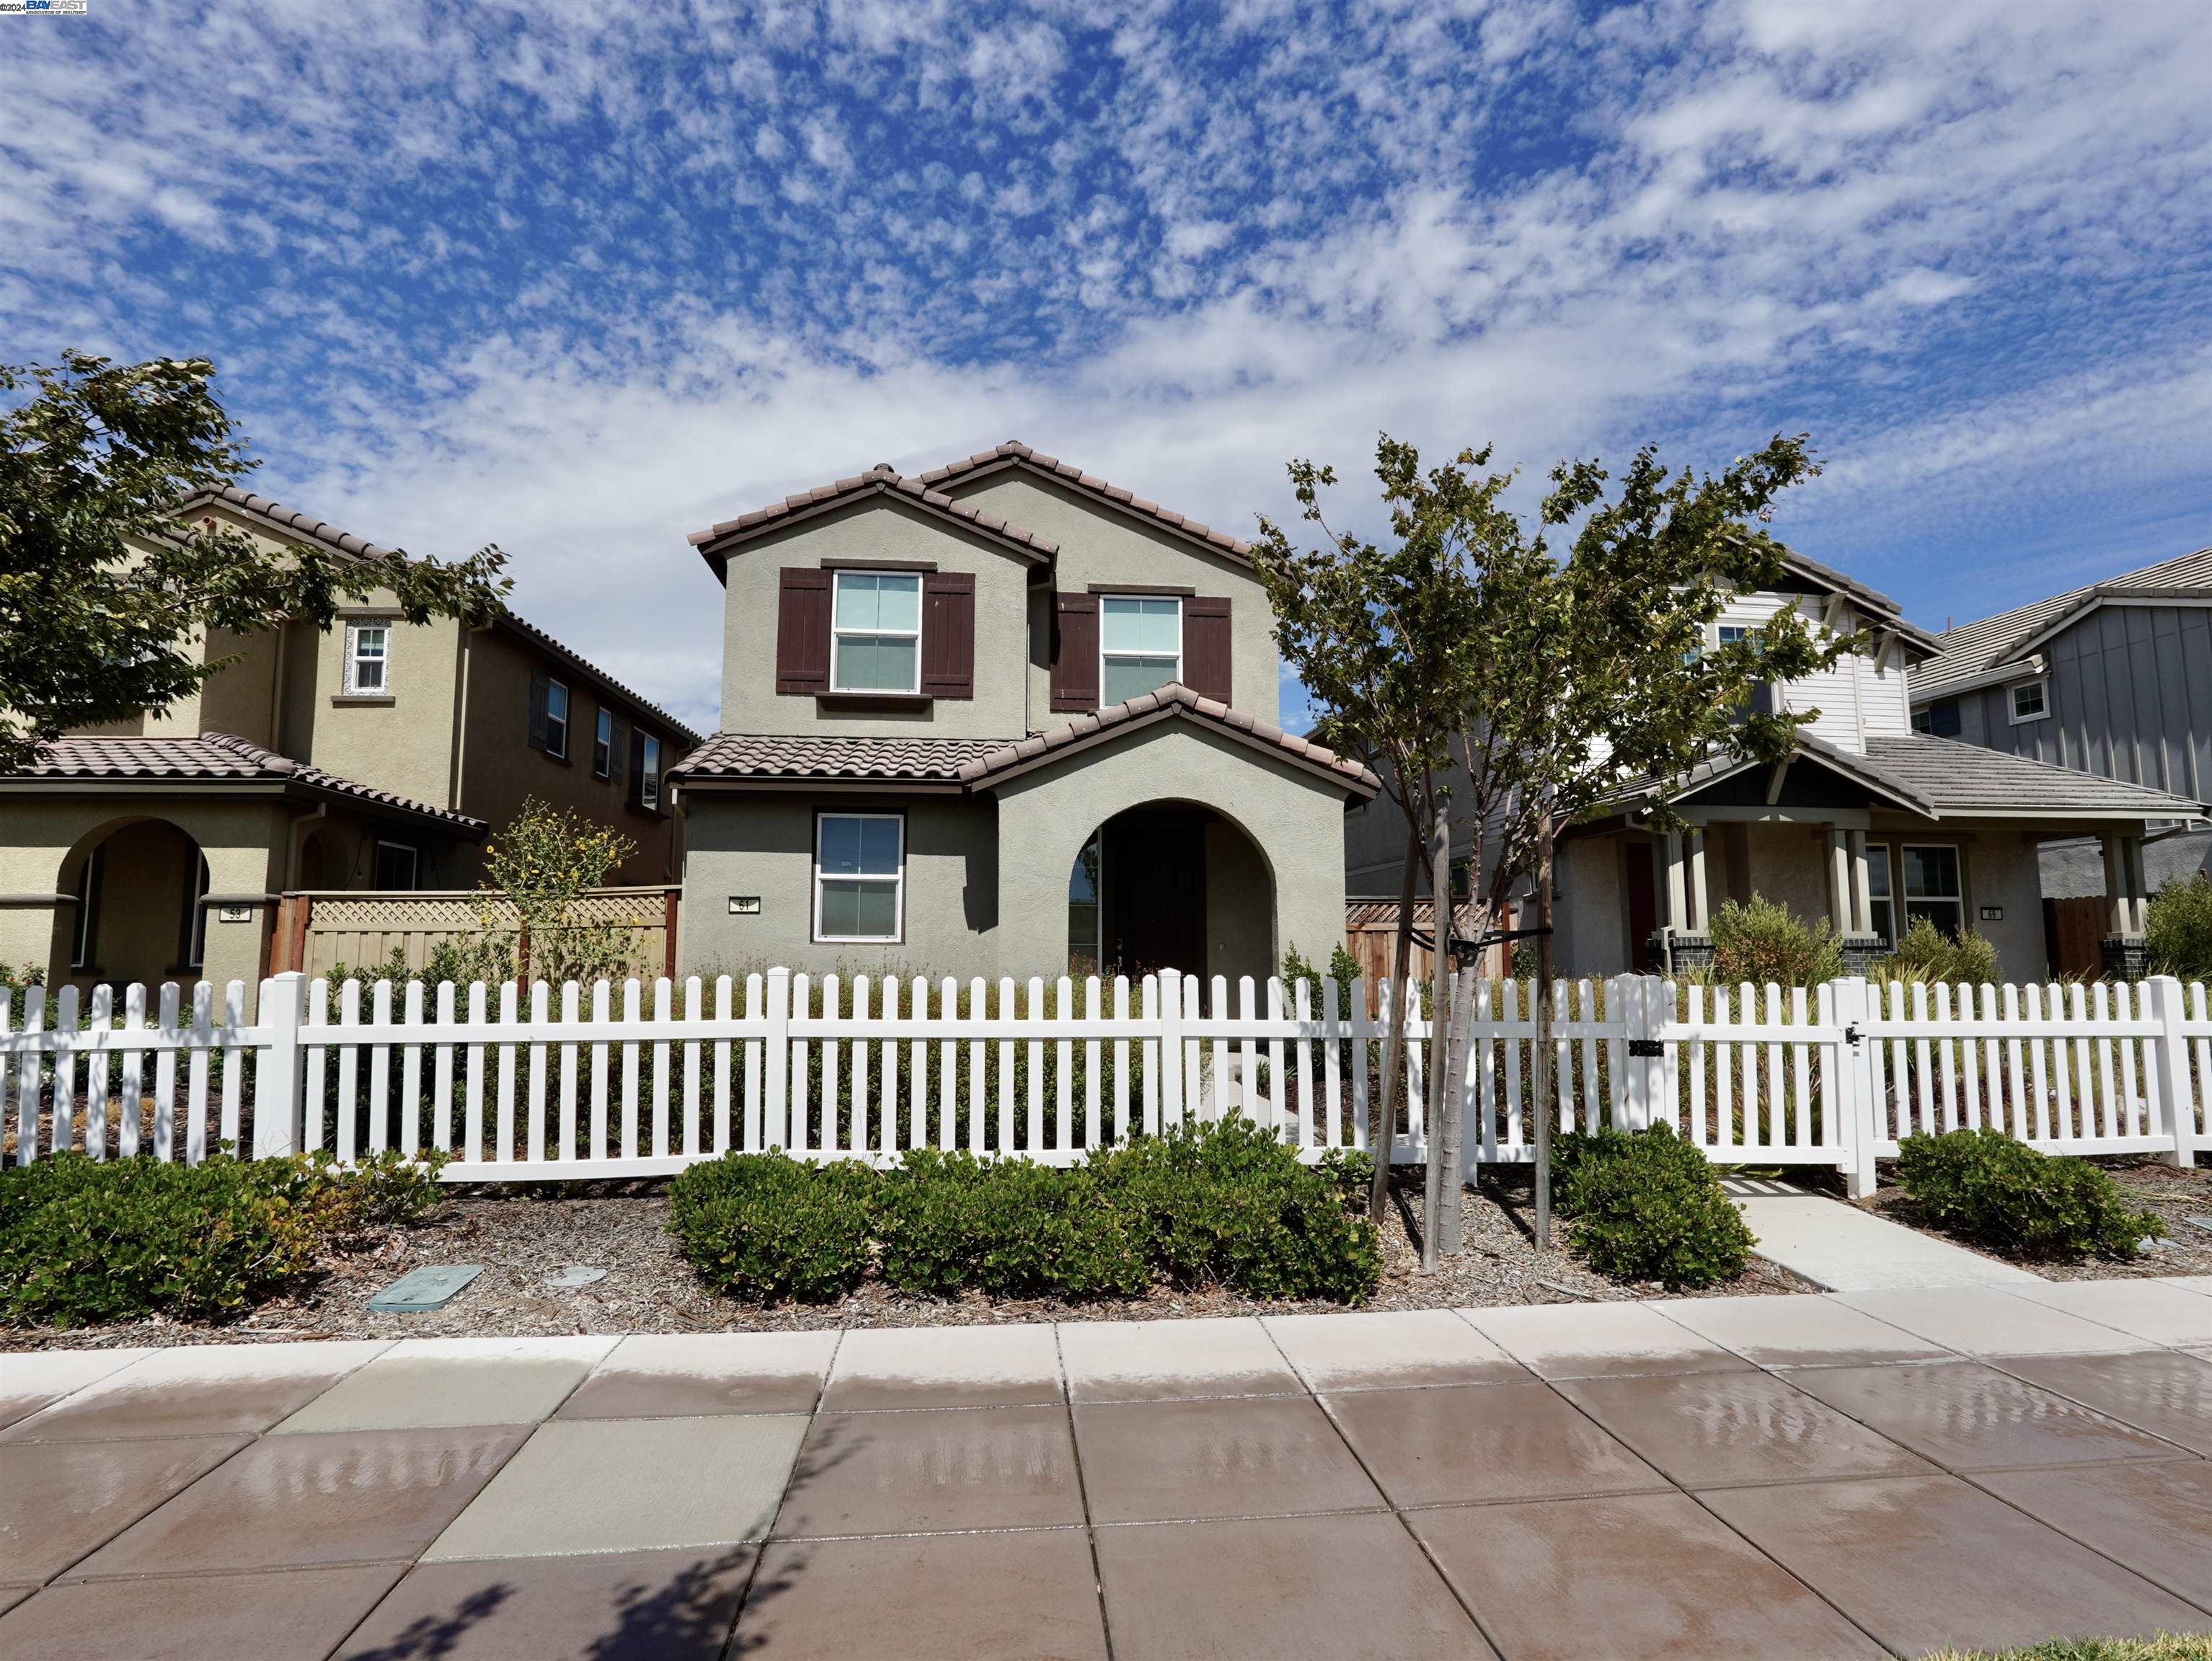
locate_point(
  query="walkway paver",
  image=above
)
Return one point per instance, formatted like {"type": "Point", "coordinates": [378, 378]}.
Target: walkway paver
{"type": "Point", "coordinates": [1844, 1249]}
{"type": "Point", "coordinates": [1806, 1476]}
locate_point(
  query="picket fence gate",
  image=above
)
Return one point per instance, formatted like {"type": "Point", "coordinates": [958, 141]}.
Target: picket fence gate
{"type": "Point", "coordinates": [637, 1081]}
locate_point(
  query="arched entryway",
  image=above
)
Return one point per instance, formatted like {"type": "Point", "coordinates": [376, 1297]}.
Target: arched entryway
{"type": "Point", "coordinates": [137, 887]}
{"type": "Point", "coordinates": [1170, 885]}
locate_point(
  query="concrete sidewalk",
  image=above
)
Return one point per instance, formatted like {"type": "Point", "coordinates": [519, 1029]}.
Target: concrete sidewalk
{"type": "Point", "coordinates": [1805, 1477]}
{"type": "Point", "coordinates": [1844, 1249]}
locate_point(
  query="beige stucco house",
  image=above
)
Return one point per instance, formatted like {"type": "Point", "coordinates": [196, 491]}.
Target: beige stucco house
{"type": "Point", "coordinates": [1002, 718]}
{"type": "Point", "coordinates": [372, 756]}
{"type": "Point", "coordinates": [1871, 825]}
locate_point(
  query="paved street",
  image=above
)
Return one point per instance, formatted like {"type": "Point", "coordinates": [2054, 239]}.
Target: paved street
{"type": "Point", "coordinates": [1808, 1476]}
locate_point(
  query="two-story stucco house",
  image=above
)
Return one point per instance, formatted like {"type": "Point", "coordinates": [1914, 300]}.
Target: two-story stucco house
{"type": "Point", "coordinates": [1002, 718]}
{"type": "Point", "coordinates": [1871, 825]}
{"type": "Point", "coordinates": [375, 754]}
{"type": "Point", "coordinates": [2114, 679]}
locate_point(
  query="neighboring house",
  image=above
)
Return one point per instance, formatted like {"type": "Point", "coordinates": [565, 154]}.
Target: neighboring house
{"type": "Point", "coordinates": [1002, 718]}
{"type": "Point", "coordinates": [1871, 824]}
{"type": "Point", "coordinates": [371, 755]}
{"type": "Point", "coordinates": [2114, 679]}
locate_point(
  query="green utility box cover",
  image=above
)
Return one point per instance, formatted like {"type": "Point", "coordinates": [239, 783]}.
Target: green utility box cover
{"type": "Point", "coordinates": [431, 1287]}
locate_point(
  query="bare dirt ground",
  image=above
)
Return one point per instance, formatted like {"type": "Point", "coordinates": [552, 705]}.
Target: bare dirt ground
{"type": "Point", "coordinates": [2178, 1194]}
{"type": "Point", "coordinates": [520, 1237]}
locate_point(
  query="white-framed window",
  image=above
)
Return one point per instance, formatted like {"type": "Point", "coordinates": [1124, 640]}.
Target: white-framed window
{"type": "Point", "coordinates": [193, 952]}
{"type": "Point", "coordinates": [88, 909]}
{"type": "Point", "coordinates": [649, 772]}
{"type": "Point", "coordinates": [1881, 907]}
{"type": "Point", "coordinates": [875, 634]}
{"type": "Point", "coordinates": [369, 659]}
{"type": "Point", "coordinates": [1934, 887]}
{"type": "Point", "coordinates": [556, 718]}
{"type": "Point", "coordinates": [602, 745]}
{"type": "Point", "coordinates": [860, 876]}
{"type": "Point", "coordinates": [396, 867]}
{"type": "Point", "coordinates": [2027, 700]}
{"type": "Point", "coordinates": [1139, 645]}
{"type": "Point", "coordinates": [1729, 633]}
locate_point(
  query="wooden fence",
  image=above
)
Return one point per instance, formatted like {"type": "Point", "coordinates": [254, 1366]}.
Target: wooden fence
{"type": "Point", "coordinates": [320, 931]}
{"type": "Point", "coordinates": [531, 1084]}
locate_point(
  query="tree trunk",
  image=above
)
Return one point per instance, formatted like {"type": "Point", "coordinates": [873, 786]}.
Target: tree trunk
{"type": "Point", "coordinates": [1543, 1108]}
{"type": "Point", "coordinates": [1440, 1172]}
{"type": "Point", "coordinates": [1460, 1041]}
{"type": "Point", "coordinates": [1384, 1108]}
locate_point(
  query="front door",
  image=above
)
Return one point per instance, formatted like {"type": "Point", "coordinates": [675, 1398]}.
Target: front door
{"type": "Point", "coordinates": [1642, 907]}
{"type": "Point", "coordinates": [1153, 872]}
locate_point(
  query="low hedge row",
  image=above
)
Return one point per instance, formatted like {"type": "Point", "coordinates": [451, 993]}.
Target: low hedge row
{"type": "Point", "coordinates": [2003, 1194]}
{"type": "Point", "coordinates": [83, 1241]}
{"type": "Point", "coordinates": [1648, 1206]}
{"type": "Point", "coordinates": [1225, 1204]}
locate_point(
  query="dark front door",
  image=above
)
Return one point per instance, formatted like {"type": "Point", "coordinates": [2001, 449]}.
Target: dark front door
{"type": "Point", "coordinates": [1154, 877]}
{"type": "Point", "coordinates": [1643, 908]}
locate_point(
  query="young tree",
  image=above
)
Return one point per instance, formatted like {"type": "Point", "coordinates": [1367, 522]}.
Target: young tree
{"type": "Point", "coordinates": [104, 595]}
{"type": "Point", "coordinates": [1386, 640]}
{"type": "Point", "coordinates": [1608, 675]}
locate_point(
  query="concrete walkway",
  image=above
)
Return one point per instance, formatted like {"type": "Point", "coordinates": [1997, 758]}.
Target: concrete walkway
{"type": "Point", "coordinates": [1844, 1249]}
{"type": "Point", "coordinates": [1808, 1476]}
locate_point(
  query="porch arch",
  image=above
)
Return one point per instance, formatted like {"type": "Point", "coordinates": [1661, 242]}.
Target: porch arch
{"type": "Point", "coordinates": [1171, 883]}
{"type": "Point", "coordinates": [137, 880]}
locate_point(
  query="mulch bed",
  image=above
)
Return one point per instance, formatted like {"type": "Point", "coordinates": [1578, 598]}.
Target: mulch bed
{"type": "Point", "coordinates": [521, 1236]}
{"type": "Point", "coordinates": [2176, 1193]}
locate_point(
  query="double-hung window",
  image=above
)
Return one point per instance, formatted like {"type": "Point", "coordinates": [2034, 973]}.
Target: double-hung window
{"type": "Point", "coordinates": [556, 719]}
{"type": "Point", "coordinates": [1881, 911]}
{"type": "Point", "coordinates": [1139, 645]}
{"type": "Point", "coordinates": [368, 659]}
{"type": "Point", "coordinates": [860, 876]}
{"type": "Point", "coordinates": [875, 639]}
{"type": "Point", "coordinates": [603, 744]}
{"type": "Point", "coordinates": [649, 772]}
{"type": "Point", "coordinates": [1933, 888]}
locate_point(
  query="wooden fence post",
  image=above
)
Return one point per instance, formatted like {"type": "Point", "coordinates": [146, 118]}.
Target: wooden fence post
{"type": "Point", "coordinates": [276, 1066]}
{"type": "Point", "coordinates": [669, 911]}
{"type": "Point", "coordinates": [776, 1090]}
{"type": "Point", "coordinates": [2169, 1064]}
{"type": "Point", "coordinates": [1855, 1101]}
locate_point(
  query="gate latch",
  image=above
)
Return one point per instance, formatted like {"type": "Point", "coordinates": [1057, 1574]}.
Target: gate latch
{"type": "Point", "coordinates": [1851, 1034]}
{"type": "Point", "coordinates": [1646, 1049]}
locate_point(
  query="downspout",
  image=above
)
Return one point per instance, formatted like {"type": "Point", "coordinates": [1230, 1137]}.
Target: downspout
{"type": "Point", "coordinates": [276, 688]}
{"type": "Point", "coordinates": [460, 722]}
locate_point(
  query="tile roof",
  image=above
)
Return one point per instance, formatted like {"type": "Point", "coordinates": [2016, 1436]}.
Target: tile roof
{"type": "Point", "coordinates": [1965, 779]}
{"type": "Point", "coordinates": [281, 517]}
{"type": "Point", "coordinates": [747, 756]}
{"type": "Point", "coordinates": [1171, 701]}
{"type": "Point", "coordinates": [1068, 473]}
{"type": "Point", "coordinates": [211, 758]}
{"type": "Point", "coordinates": [1968, 650]}
{"type": "Point", "coordinates": [879, 480]}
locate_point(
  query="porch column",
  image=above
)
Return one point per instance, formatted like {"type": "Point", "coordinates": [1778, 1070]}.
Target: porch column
{"type": "Point", "coordinates": [1678, 908]}
{"type": "Point", "coordinates": [1861, 892]}
{"type": "Point", "coordinates": [2138, 885]}
{"type": "Point", "coordinates": [1839, 882]}
{"type": "Point", "coordinates": [1700, 912]}
{"type": "Point", "coordinates": [2125, 955]}
{"type": "Point", "coordinates": [2117, 889]}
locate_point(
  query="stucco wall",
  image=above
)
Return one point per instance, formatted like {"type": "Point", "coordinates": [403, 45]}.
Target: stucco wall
{"type": "Point", "coordinates": [402, 742]}
{"type": "Point", "coordinates": [1297, 820]}
{"type": "Point", "coordinates": [1097, 545]}
{"type": "Point", "coordinates": [878, 528]}
{"type": "Point", "coordinates": [764, 846]}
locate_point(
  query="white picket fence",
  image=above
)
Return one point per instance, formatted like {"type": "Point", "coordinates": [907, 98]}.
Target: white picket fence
{"type": "Point", "coordinates": [635, 1081]}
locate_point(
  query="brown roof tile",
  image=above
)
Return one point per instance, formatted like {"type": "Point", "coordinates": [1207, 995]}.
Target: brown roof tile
{"type": "Point", "coordinates": [746, 757]}
{"type": "Point", "coordinates": [212, 758]}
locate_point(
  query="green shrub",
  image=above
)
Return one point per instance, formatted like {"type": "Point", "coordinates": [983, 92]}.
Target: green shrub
{"type": "Point", "coordinates": [1650, 1207]}
{"type": "Point", "coordinates": [1231, 1204]}
{"type": "Point", "coordinates": [84, 1241]}
{"type": "Point", "coordinates": [2178, 929]}
{"type": "Point", "coordinates": [1009, 1227]}
{"type": "Point", "coordinates": [1927, 954]}
{"type": "Point", "coordinates": [768, 1227]}
{"type": "Point", "coordinates": [1765, 941]}
{"type": "Point", "coordinates": [2003, 1194]}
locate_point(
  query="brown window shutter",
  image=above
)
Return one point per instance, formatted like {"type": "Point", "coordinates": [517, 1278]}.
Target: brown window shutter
{"type": "Point", "coordinates": [948, 633]}
{"type": "Point", "coordinates": [539, 682]}
{"type": "Point", "coordinates": [618, 752]}
{"type": "Point", "coordinates": [802, 632]}
{"type": "Point", "coordinates": [1206, 647]}
{"type": "Point", "coordinates": [1075, 652]}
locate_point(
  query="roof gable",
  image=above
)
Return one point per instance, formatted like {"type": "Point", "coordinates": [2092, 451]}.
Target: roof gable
{"type": "Point", "coordinates": [880, 483]}
{"type": "Point", "coordinates": [1014, 456]}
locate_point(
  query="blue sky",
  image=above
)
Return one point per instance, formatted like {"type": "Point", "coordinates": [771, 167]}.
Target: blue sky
{"type": "Point", "coordinates": [581, 279]}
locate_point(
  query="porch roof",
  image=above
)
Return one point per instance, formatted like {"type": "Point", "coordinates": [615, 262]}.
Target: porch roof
{"type": "Point", "coordinates": [1943, 778]}
{"type": "Point", "coordinates": [211, 760]}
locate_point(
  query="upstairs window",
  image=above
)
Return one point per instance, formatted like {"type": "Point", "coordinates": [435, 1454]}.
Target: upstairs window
{"type": "Point", "coordinates": [556, 718]}
{"type": "Point", "coordinates": [367, 658]}
{"type": "Point", "coordinates": [1941, 719]}
{"type": "Point", "coordinates": [875, 638]}
{"type": "Point", "coordinates": [649, 773]}
{"type": "Point", "coordinates": [2030, 700]}
{"type": "Point", "coordinates": [602, 745]}
{"type": "Point", "coordinates": [1139, 645]}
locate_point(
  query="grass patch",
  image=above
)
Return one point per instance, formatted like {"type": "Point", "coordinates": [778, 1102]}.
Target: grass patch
{"type": "Point", "coordinates": [2167, 1646]}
